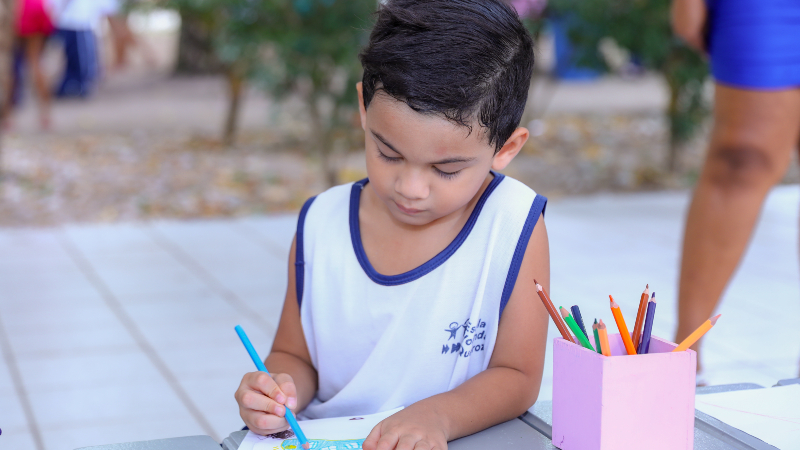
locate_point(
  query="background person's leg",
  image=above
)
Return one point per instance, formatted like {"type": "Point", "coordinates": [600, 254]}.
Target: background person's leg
{"type": "Point", "coordinates": [752, 140]}
{"type": "Point", "coordinates": [34, 47]}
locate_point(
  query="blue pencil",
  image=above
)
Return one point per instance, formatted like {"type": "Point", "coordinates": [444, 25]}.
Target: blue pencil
{"type": "Point", "coordinates": [576, 314]}
{"type": "Point", "coordinates": [644, 346]}
{"type": "Point", "coordinates": [260, 365]}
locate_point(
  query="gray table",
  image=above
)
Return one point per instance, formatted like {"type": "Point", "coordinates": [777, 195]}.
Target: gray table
{"type": "Point", "coordinates": [709, 433]}
{"type": "Point", "coordinates": [531, 431]}
{"type": "Point", "coordinates": [181, 443]}
{"type": "Point", "coordinates": [514, 434]}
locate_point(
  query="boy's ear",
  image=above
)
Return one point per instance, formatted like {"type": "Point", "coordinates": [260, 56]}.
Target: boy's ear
{"type": "Point", "coordinates": [361, 110]}
{"type": "Point", "coordinates": [510, 149]}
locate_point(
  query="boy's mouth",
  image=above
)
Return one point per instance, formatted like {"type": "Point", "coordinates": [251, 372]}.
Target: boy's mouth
{"type": "Point", "coordinates": [410, 211]}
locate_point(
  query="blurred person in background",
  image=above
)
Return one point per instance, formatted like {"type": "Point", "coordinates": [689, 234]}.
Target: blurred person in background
{"type": "Point", "coordinates": [7, 18]}
{"type": "Point", "coordinates": [124, 39]}
{"type": "Point", "coordinates": [76, 23]}
{"type": "Point", "coordinates": [754, 48]}
{"type": "Point", "coordinates": [32, 25]}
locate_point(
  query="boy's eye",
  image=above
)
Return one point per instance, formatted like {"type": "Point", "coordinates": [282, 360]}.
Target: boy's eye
{"type": "Point", "coordinates": [446, 175]}
{"type": "Point", "coordinates": [388, 158]}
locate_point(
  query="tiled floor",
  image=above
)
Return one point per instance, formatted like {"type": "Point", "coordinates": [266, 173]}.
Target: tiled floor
{"type": "Point", "coordinates": [113, 333]}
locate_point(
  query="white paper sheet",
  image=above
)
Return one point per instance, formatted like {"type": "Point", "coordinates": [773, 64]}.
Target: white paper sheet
{"type": "Point", "coordinates": [770, 414]}
{"type": "Point", "coordinates": [338, 433]}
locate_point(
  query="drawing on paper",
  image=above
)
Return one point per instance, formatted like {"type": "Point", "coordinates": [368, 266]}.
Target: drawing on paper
{"type": "Point", "coordinates": [323, 444]}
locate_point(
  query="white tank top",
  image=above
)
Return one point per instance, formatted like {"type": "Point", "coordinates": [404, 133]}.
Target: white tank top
{"type": "Point", "coordinates": [379, 342]}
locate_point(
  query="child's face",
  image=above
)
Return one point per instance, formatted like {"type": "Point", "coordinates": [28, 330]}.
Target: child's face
{"type": "Point", "coordinates": [424, 167]}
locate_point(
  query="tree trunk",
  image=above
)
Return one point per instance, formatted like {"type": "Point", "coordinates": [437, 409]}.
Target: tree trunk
{"type": "Point", "coordinates": [6, 63]}
{"type": "Point", "coordinates": [235, 86]}
{"type": "Point", "coordinates": [195, 46]}
{"type": "Point", "coordinates": [321, 144]}
{"type": "Point", "coordinates": [672, 114]}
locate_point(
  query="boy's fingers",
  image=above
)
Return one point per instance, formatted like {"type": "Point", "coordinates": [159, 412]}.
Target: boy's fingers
{"type": "Point", "coordinates": [388, 441]}
{"type": "Point", "coordinates": [423, 445]}
{"type": "Point", "coordinates": [287, 386]}
{"type": "Point", "coordinates": [371, 442]}
{"type": "Point", "coordinates": [407, 442]}
{"type": "Point", "coordinates": [269, 387]}
{"type": "Point", "coordinates": [262, 423]}
{"type": "Point", "coordinates": [258, 402]}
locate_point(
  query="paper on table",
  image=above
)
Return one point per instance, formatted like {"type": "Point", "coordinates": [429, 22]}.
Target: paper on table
{"type": "Point", "coordinates": [771, 414]}
{"type": "Point", "coordinates": [337, 433]}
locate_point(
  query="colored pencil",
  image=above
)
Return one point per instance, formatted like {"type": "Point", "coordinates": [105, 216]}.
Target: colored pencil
{"type": "Point", "coordinates": [574, 327]}
{"type": "Point", "coordinates": [260, 365]}
{"type": "Point", "coordinates": [596, 337]}
{"type": "Point", "coordinates": [697, 334]}
{"type": "Point", "coordinates": [551, 309]}
{"type": "Point", "coordinates": [576, 314]}
{"type": "Point", "coordinates": [623, 329]}
{"type": "Point", "coordinates": [644, 347]}
{"type": "Point", "coordinates": [604, 346]}
{"type": "Point", "coordinates": [640, 313]}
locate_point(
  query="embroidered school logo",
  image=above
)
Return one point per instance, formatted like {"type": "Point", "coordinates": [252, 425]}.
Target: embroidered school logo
{"type": "Point", "coordinates": [471, 341]}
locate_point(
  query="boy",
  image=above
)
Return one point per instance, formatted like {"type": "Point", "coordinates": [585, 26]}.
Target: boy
{"type": "Point", "coordinates": [415, 287]}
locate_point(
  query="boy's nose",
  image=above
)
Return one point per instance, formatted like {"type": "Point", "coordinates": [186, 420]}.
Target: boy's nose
{"type": "Point", "coordinates": [412, 185]}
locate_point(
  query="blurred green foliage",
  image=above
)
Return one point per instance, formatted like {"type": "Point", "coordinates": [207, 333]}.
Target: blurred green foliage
{"type": "Point", "coordinates": [643, 28]}
{"type": "Point", "coordinates": [292, 47]}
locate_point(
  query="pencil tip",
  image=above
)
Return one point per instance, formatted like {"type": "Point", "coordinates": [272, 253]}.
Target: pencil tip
{"type": "Point", "coordinates": [538, 287]}
{"type": "Point", "coordinates": [307, 445]}
{"type": "Point", "coordinates": [646, 289]}
{"type": "Point", "coordinates": [613, 303]}
{"type": "Point", "coordinates": [564, 312]}
{"type": "Point", "coordinates": [611, 298]}
{"type": "Point", "coordinates": [535, 282]}
{"type": "Point", "coordinates": [714, 319]}
{"type": "Point", "coordinates": [653, 296]}
{"type": "Point", "coordinates": [595, 320]}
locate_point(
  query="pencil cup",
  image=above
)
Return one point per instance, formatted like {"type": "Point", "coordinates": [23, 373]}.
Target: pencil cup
{"type": "Point", "coordinates": [623, 402]}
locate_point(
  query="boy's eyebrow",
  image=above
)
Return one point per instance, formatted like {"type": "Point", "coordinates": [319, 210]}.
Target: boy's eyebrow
{"type": "Point", "coordinates": [456, 159]}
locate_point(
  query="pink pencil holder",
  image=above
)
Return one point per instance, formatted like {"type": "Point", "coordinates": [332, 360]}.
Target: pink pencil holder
{"type": "Point", "coordinates": [623, 402]}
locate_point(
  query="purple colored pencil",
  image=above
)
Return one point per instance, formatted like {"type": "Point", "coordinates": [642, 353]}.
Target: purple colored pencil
{"type": "Point", "coordinates": [576, 314]}
{"type": "Point", "coordinates": [644, 346]}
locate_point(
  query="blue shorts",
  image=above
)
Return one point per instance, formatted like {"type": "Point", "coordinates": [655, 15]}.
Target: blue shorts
{"type": "Point", "coordinates": [755, 44]}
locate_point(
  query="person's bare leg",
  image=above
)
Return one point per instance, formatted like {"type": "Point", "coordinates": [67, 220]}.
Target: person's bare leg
{"type": "Point", "coordinates": [34, 47]}
{"type": "Point", "coordinates": [752, 141]}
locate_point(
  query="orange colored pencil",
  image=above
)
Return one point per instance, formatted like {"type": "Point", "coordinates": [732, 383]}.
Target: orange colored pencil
{"type": "Point", "coordinates": [637, 328]}
{"type": "Point", "coordinates": [623, 329]}
{"type": "Point", "coordinates": [551, 309]}
{"type": "Point", "coordinates": [605, 348]}
{"type": "Point", "coordinates": [697, 334]}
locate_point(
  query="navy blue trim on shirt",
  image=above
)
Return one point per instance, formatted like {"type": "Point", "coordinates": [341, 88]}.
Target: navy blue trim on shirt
{"type": "Point", "coordinates": [537, 209]}
{"type": "Point", "coordinates": [430, 265]}
{"type": "Point", "coordinates": [299, 260]}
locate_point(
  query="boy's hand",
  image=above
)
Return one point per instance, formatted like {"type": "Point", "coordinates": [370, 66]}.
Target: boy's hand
{"type": "Point", "coordinates": [409, 429]}
{"type": "Point", "coordinates": [263, 400]}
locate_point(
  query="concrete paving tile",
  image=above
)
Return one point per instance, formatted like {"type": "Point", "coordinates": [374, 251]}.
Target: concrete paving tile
{"type": "Point", "coordinates": [35, 301]}
{"type": "Point", "coordinates": [133, 401]}
{"type": "Point", "coordinates": [145, 273]}
{"type": "Point", "coordinates": [214, 396]}
{"type": "Point", "coordinates": [29, 245]}
{"type": "Point", "coordinates": [277, 230]}
{"type": "Point", "coordinates": [84, 371]}
{"type": "Point", "coordinates": [17, 440]}
{"type": "Point", "coordinates": [67, 338]}
{"type": "Point", "coordinates": [12, 417]}
{"type": "Point", "coordinates": [25, 279]}
{"type": "Point", "coordinates": [111, 239]}
{"type": "Point", "coordinates": [223, 359]}
{"type": "Point", "coordinates": [115, 432]}
{"type": "Point", "coordinates": [55, 315]}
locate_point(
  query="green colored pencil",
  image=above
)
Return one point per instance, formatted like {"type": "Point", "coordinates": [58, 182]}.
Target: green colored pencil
{"type": "Point", "coordinates": [596, 337]}
{"type": "Point", "coordinates": [576, 330]}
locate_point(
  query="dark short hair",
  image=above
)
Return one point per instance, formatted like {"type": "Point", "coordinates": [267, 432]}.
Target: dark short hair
{"type": "Point", "coordinates": [461, 59]}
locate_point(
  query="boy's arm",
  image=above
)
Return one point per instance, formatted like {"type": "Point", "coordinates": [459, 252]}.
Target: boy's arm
{"type": "Point", "coordinates": [294, 379]}
{"type": "Point", "coordinates": [505, 390]}
{"type": "Point", "coordinates": [289, 350]}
